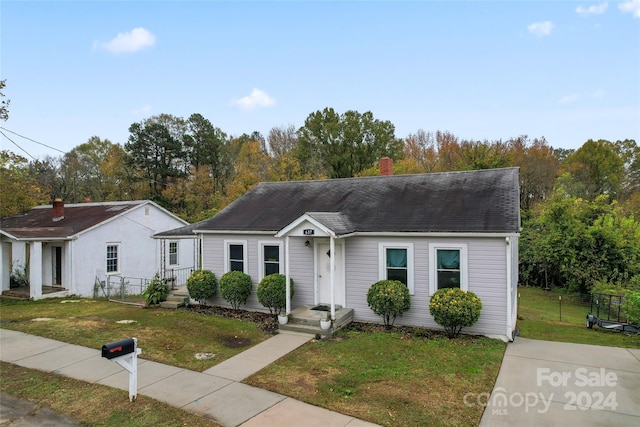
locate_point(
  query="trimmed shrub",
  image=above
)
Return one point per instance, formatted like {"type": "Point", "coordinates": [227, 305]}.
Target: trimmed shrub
{"type": "Point", "coordinates": [389, 299]}
{"type": "Point", "coordinates": [235, 288]}
{"type": "Point", "coordinates": [454, 309]}
{"type": "Point", "coordinates": [272, 292]}
{"type": "Point", "coordinates": [156, 292]}
{"type": "Point", "coordinates": [202, 285]}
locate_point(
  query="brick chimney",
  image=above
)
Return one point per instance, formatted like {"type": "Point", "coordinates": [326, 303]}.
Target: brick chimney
{"type": "Point", "coordinates": [386, 166]}
{"type": "Point", "coordinates": [86, 200]}
{"type": "Point", "coordinates": [58, 209]}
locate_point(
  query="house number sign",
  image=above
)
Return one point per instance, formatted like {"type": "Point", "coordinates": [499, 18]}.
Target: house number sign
{"type": "Point", "coordinates": [308, 231]}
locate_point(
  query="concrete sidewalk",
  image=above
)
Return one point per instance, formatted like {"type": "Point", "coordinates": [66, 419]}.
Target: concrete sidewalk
{"type": "Point", "coordinates": [215, 393]}
{"type": "Point", "coordinates": [544, 383]}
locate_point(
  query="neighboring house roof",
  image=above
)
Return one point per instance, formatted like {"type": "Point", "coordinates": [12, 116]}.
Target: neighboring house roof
{"type": "Point", "coordinates": [186, 232]}
{"type": "Point", "coordinates": [483, 201]}
{"type": "Point", "coordinates": [38, 223]}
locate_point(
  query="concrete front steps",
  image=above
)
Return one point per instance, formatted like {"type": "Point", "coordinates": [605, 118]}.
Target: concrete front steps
{"type": "Point", "coordinates": [307, 320]}
{"type": "Point", "coordinates": [176, 298]}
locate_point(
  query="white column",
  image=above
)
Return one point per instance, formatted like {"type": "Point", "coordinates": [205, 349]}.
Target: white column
{"type": "Point", "coordinates": [287, 274]}
{"type": "Point", "coordinates": [5, 262]}
{"type": "Point", "coordinates": [332, 249]}
{"type": "Point", "coordinates": [35, 270]}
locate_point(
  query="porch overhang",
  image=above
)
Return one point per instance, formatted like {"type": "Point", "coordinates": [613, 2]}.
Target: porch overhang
{"type": "Point", "coordinates": [318, 224]}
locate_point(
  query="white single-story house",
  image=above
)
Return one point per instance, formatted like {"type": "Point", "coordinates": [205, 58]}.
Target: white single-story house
{"type": "Point", "coordinates": [69, 248]}
{"type": "Point", "coordinates": [337, 237]}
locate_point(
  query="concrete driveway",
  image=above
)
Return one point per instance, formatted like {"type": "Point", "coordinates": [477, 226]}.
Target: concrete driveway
{"type": "Point", "coordinates": [544, 383]}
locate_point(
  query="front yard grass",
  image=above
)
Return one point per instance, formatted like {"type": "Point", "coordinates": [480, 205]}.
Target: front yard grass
{"type": "Point", "coordinates": [92, 404]}
{"type": "Point", "coordinates": [539, 318]}
{"type": "Point", "coordinates": [402, 377]}
{"type": "Point", "coordinates": [173, 337]}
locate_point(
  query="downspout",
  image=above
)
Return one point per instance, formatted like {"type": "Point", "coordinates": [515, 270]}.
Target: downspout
{"type": "Point", "coordinates": [332, 249]}
{"type": "Point", "coordinates": [509, 284]}
{"type": "Point", "coordinates": [287, 274]}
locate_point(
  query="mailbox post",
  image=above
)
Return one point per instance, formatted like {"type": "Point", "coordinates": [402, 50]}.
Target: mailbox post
{"type": "Point", "coordinates": [125, 353]}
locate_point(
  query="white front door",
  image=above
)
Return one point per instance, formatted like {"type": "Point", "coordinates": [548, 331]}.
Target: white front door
{"type": "Point", "coordinates": [323, 268]}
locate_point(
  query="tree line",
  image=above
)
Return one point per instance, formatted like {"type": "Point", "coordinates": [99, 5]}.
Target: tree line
{"type": "Point", "coordinates": [194, 169]}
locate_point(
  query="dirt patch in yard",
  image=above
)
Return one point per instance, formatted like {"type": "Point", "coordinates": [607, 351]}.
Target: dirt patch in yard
{"type": "Point", "coordinates": [235, 342]}
{"type": "Point", "coordinates": [268, 322]}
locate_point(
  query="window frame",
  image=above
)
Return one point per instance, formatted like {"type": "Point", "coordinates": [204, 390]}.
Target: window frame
{"type": "Point", "coordinates": [227, 254]}
{"type": "Point", "coordinates": [382, 261]}
{"type": "Point", "coordinates": [433, 264]}
{"type": "Point", "coordinates": [261, 245]}
{"type": "Point", "coordinates": [176, 253]}
{"type": "Point", "coordinates": [117, 258]}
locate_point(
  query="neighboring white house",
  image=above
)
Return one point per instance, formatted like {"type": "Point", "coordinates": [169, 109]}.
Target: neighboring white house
{"type": "Point", "coordinates": [68, 247]}
{"type": "Point", "coordinates": [337, 237]}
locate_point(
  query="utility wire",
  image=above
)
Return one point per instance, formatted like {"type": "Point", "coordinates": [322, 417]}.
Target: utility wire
{"type": "Point", "coordinates": [16, 144]}
{"type": "Point", "coordinates": [32, 140]}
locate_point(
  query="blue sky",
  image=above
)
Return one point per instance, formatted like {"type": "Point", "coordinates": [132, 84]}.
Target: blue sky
{"type": "Point", "coordinates": [565, 70]}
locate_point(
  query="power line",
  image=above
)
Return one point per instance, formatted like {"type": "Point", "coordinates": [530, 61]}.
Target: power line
{"type": "Point", "coordinates": [29, 139]}
{"type": "Point", "coordinates": [16, 144]}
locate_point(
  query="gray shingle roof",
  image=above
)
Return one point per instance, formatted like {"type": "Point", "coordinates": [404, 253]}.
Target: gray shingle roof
{"type": "Point", "coordinates": [481, 201]}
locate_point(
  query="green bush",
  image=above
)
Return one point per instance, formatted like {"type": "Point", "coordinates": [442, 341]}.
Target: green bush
{"type": "Point", "coordinates": [454, 309]}
{"type": "Point", "coordinates": [632, 307]}
{"type": "Point", "coordinates": [156, 292]}
{"type": "Point", "coordinates": [235, 288]}
{"type": "Point", "coordinates": [272, 292]}
{"type": "Point", "coordinates": [202, 285]}
{"type": "Point", "coordinates": [389, 299]}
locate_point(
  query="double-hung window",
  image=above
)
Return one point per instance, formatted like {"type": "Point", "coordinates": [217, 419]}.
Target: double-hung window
{"type": "Point", "coordinates": [396, 263]}
{"type": "Point", "coordinates": [113, 264]}
{"type": "Point", "coordinates": [271, 257]}
{"type": "Point", "coordinates": [173, 253]}
{"type": "Point", "coordinates": [235, 255]}
{"type": "Point", "coordinates": [448, 266]}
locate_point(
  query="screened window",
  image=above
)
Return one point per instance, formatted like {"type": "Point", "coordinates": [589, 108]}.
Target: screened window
{"type": "Point", "coordinates": [271, 259]}
{"type": "Point", "coordinates": [448, 267]}
{"type": "Point", "coordinates": [236, 258]}
{"type": "Point", "coordinates": [173, 253]}
{"type": "Point", "coordinates": [396, 263]}
{"type": "Point", "coordinates": [112, 258]}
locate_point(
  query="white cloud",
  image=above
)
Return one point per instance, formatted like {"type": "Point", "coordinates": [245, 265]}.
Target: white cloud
{"type": "Point", "coordinates": [593, 9]}
{"type": "Point", "coordinates": [258, 98]}
{"type": "Point", "coordinates": [133, 41]}
{"type": "Point", "coordinates": [143, 111]}
{"type": "Point", "coordinates": [540, 29]}
{"type": "Point", "coordinates": [568, 99]}
{"type": "Point", "coordinates": [632, 6]}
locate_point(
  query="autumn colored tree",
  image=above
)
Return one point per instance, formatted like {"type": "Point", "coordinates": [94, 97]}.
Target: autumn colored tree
{"type": "Point", "coordinates": [20, 189]}
{"type": "Point", "coordinates": [207, 147]}
{"type": "Point", "coordinates": [538, 169]}
{"type": "Point", "coordinates": [252, 166]}
{"type": "Point", "coordinates": [283, 148]}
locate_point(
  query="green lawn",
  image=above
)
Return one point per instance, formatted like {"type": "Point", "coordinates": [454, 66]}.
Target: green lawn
{"type": "Point", "coordinates": [539, 318]}
{"type": "Point", "coordinates": [401, 377]}
{"type": "Point", "coordinates": [172, 337]}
